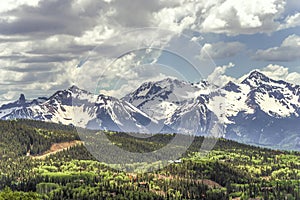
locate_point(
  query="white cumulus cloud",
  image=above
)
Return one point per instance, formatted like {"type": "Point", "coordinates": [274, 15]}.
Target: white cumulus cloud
{"type": "Point", "coordinates": [291, 21]}
{"type": "Point", "coordinates": [234, 17]}
{"type": "Point", "coordinates": [221, 50]}
{"type": "Point", "coordinates": [288, 50]}
{"type": "Point", "coordinates": [218, 77]}
{"type": "Point", "coordinates": [279, 72]}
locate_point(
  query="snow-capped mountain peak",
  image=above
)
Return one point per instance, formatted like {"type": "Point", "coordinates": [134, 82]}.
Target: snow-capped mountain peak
{"type": "Point", "coordinates": [160, 99]}
{"type": "Point", "coordinates": [277, 98]}
{"type": "Point", "coordinates": [257, 109]}
{"type": "Point", "coordinates": [22, 99]}
{"type": "Point", "coordinates": [232, 87]}
{"type": "Point", "coordinates": [255, 79]}
{"type": "Point", "coordinates": [84, 109]}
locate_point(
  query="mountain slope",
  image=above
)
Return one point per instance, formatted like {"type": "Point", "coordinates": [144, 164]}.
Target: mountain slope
{"type": "Point", "coordinates": [160, 99]}
{"type": "Point", "coordinates": [271, 114]}
{"type": "Point", "coordinates": [84, 109]}
{"type": "Point", "coordinates": [257, 110]}
{"type": "Point", "coordinates": [192, 117]}
{"type": "Point", "coordinates": [276, 98]}
{"type": "Point", "coordinates": [20, 103]}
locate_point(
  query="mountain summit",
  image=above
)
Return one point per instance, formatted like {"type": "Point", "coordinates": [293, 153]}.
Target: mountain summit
{"type": "Point", "coordinates": [160, 99]}
{"type": "Point", "coordinates": [81, 108]}
{"type": "Point", "coordinates": [258, 110]}
{"type": "Point", "coordinates": [22, 99]}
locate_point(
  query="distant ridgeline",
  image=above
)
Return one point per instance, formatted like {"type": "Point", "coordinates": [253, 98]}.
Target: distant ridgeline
{"type": "Point", "coordinates": [258, 110]}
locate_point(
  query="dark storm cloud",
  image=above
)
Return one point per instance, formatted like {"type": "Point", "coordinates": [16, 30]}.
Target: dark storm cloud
{"type": "Point", "coordinates": [5, 40]}
{"type": "Point", "coordinates": [12, 57]}
{"type": "Point", "coordinates": [73, 49]}
{"type": "Point", "coordinates": [36, 77]}
{"type": "Point", "coordinates": [40, 77]}
{"type": "Point", "coordinates": [135, 13]}
{"type": "Point", "coordinates": [51, 18]}
{"type": "Point", "coordinates": [44, 67]}
{"type": "Point", "coordinates": [46, 59]}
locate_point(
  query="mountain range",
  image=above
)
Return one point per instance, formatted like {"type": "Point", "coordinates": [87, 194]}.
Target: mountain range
{"type": "Point", "coordinates": [258, 110]}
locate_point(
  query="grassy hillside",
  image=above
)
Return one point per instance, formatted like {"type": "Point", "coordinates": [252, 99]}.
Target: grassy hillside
{"type": "Point", "coordinates": [230, 171]}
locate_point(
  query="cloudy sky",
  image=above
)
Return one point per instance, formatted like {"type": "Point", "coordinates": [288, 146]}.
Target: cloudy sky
{"type": "Point", "coordinates": [114, 45]}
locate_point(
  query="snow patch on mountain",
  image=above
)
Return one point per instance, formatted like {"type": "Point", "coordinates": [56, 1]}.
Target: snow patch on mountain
{"type": "Point", "coordinates": [160, 99]}
{"type": "Point", "coordinates": [256, 109]}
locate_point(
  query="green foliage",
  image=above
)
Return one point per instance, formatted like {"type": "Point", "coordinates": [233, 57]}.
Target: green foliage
{"type": "Point", "coordinates": [230, 170]}
{"type": "Point", "coordinates": [8, 194]}
{"type": "Point", "coordinates": [20, 137]}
